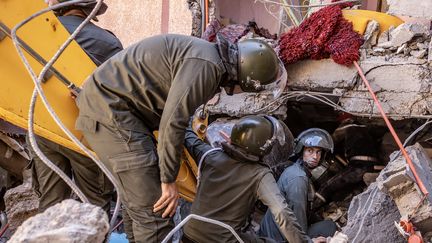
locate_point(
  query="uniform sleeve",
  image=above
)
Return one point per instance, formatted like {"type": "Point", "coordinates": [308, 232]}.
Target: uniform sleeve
{"type": "Point", "coordinates": [270, 195]}
{"type": "Point", "coordinates": [194, 145]}
{"type": "Point", "coordinates": [194, 84]}
{"type": "Point", "coordinates": [295, 191]}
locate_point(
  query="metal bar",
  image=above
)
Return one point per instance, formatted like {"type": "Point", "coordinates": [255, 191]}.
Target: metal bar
{"type": "Point", "coordinates": [37, 57]}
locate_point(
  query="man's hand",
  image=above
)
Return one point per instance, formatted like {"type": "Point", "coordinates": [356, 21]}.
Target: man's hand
{"type": "Point", "coordinates": [338, 237]}
{"type": "Point", "coordinates": [168, 200]}
{"type": "Point", "coordinates": [319, 239]}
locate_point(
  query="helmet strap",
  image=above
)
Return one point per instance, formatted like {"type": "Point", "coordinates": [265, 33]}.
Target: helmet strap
{"type": "Point", "coordinates": [229, 54]}
{"type": "Point", "coordinates": [238, 153]}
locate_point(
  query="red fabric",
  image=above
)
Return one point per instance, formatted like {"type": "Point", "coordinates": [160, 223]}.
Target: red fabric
{"type": "Point", "coordinates": [324, 34]}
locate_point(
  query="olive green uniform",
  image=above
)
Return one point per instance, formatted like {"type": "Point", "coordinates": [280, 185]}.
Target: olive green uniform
{"type": "Point", "coordinates": [100, 45]}
{"type": "Point", "coordinates": [228, 191]}
{"type": "Point", "coordinates": [155, 84]}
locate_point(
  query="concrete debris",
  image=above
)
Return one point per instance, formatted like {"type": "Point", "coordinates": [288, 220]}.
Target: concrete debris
{"type": "Point", "coordinates": [320, 75]}
{"type": "Point", "coordinates": [68, 221]}
{"type": "Point", "coordinates": [413, 8]}
{"type": "Point", "coordinates": [384, 36]}
{"type": "Point", "coordinates": [371, 218]}
{"type": "Point", "coordinates": [21, 202]}
{"type": "Point", "coordinates": [371, 34]}
{"type": "Point", "coordinates": [403, 84]}
{"type": "Point", "coordinates": [401, 49]}
{"type": "Point", "coordinates": [242, 104]}
{"type": "Point", "coordinates": [398, 181]}
{"type": "Point", "coordinates": [429, 59]}
{"type": "Point", "coordinates": [403, 34]}
{"type": "Point", "coordinates": [418, 54]}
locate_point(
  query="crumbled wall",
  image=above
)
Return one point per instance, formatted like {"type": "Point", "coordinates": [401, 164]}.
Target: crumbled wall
{"type": "Point", "coordinates": [397, 180]}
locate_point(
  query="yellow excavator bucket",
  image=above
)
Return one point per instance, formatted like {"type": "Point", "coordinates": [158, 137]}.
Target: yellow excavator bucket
{"type": "Point", "coordinates": [41, 38]}
{"type": "Point", "coordinates": [360, 19]}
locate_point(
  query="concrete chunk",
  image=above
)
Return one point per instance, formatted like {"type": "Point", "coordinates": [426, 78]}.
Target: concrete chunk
{"type": "Point", "coordinates": [371, 218]}
{"type": "Point", "coordinates": [397, 180]}
{"type": "Point", "coordinates": [68, 221]}
{"type": "Point", "coordinates": [405, 32]}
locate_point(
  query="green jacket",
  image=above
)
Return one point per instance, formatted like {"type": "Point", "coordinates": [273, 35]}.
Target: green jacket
{"type": "Point", "coordinates": [228, 191]}
{"type": "Point", "coordinates": [156, 83]}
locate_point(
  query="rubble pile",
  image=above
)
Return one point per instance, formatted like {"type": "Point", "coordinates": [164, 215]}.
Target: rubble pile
{"type": "Point", "coordinates": [21, 203]}
{"type": "Point", "coordinates": [408, 39]}
{"type": "Point", "coordinates": [398, 182]}
{"type": "Point", "coordinates": [393, 197]}
{"type": "Point", "coordinates": [68, 221]}
{"type": "Point", "coordinates": [371, 218]}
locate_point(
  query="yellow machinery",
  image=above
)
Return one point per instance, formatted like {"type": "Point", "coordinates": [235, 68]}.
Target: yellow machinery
{"type": "Point", "coordinates": [361, 18]}
{"type": "Point", "coordinates": [41, 38]}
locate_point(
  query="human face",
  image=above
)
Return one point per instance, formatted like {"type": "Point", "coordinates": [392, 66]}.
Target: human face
{"type": "Point", "coordinates": [312, 156]}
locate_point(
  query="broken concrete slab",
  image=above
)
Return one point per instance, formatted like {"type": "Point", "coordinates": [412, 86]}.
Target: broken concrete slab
{"type": "Point", "coordinates": [68, 221]}
{"type": "Point", "coordinates": [403, 84]}
{"type": "Point", "coordinates": [21, 202]}
{"type": "Point", "coordinates": [413, 8]}
{"type": "Point", "coordinates": [371, 34]}
{"type": "Point", "coordinates": [398, 182]}
{"type": "Point", "coordinates": [371, 218]}
{"type": "Point", "coordinates": [242, 104]}
{"type": "Point", "coordinates": [419, 54]}
{"type": "Point", "coordinates": [403, 34]}
{"type": "Point", "coordinates": [322, 74]}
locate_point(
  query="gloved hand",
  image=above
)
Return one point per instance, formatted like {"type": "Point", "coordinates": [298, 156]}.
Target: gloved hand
{"type": "Point", "coordinates": [338, 237]}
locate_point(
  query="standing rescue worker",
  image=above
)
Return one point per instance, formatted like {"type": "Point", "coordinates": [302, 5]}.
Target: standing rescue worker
{"type": "Point", "coordinates": [99, 45]}
{"type": "Point", "coordinates": [232, 179]}
{"type": "Point", "coordinates": [157, 84]}
{"type": "Point", "coordinates": [294, 183]}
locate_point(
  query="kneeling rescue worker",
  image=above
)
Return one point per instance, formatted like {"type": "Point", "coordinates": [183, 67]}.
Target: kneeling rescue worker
{"type": "Point", "coordinates": [234, 178]}
{"type": "Point", "coordinates": [157, 84]}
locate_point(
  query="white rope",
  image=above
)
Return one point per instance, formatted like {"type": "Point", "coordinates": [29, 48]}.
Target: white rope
{"type": "Point", "coordinates": [38, 90]}
{"type": "Point", "coordinates": [204, 219]}
{"type": "Point", "coordinates": [202, 160]}
{"type": "Point", "coordinates": [365, 214]}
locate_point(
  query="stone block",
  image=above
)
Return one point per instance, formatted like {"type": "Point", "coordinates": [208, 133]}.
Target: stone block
{"type": "Point", "coordinates": [398, 181]}
{"type": "Point", "coordinates": [371, 218]}
{"type": "Point", "coordinates": [68, 221]}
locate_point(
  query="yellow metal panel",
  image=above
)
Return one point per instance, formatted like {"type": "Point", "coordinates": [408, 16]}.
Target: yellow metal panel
{"type": "Point", "coordinates": [360, 19]}
{"type": "Point", "coordinates": [44, 34]}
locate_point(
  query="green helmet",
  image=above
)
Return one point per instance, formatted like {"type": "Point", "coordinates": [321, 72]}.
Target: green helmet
{"type": "Point", "coordinates": [257, 134]}
{"type": "Point", "coordinates": [314, 137]}
{"type": "Point", "coordinates": [259, 66]}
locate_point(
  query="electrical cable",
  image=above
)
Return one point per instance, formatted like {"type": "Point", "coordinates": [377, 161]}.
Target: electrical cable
{"type": "Point", "coordinates": [408, 139]}
{"type": "Point", "coordinates": [204, 219]}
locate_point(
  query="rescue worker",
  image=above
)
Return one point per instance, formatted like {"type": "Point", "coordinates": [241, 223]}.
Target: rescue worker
{"type": "Point", "coordinates": [294, 183]}
{"type": "Point", "coordinates": [100, 45]}
{"type": "Point", "coordinates": [233, 178]}
{"type": "Point", "coordinates": [157, 84]}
